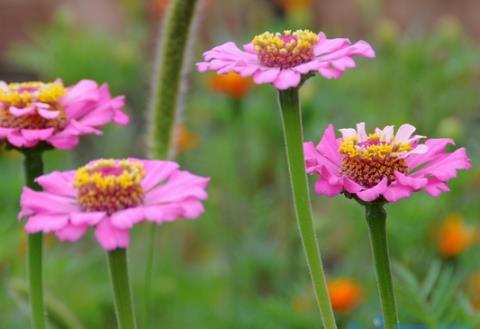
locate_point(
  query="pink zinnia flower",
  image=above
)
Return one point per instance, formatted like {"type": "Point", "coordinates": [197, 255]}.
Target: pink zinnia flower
{"type": "Point", "coordinates": [37, 112]}
{"type": "Point", "coordinates": [112, 196]}
{"type": "Point", "coordinates": [283, 59]}
{"type": "Point", "coordinates": [382, 165]}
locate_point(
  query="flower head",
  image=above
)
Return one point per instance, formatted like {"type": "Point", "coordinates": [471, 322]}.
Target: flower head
{"type": "Point", "coordinates": [295, 5]}
{"type": "Point", "coordinates": [382, 165]}
{"type": "Point", "coordinates": [186, 140]}
{"type": "Point", "coordinates": [282, 59]}
{"type": "Point", "coordinates": [112, 196]}
{"type": "Point", "coordinates": [345, 294]}
{"type": "Point", "coordinates": [231, 84]}
{"type": "Point", "coordinates": [37, 112]}
{"type": "Point", "coordinates": [454, 237]}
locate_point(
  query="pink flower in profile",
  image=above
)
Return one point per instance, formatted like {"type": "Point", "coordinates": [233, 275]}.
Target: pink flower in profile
{"type": "Point", "coordinates": [36, 112]}
{"type": "Point", "coordinates": [112, 196]}
{"type": "Point", "coordinates": [283, 59]}
{"type": "Point", "coordinates": [382, 165]}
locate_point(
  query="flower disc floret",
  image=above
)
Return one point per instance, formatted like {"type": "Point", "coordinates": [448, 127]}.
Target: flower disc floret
{"type": "Point", "coordinates": [368, 162]}
{"type": "Point", "coordinates": [110, 185]}
{"type": "Point", "coordinates": [285, 50]}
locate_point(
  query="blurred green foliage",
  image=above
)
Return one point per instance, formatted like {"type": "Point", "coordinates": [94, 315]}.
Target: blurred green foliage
{"type": "Point", "coordinates": [240, 265]}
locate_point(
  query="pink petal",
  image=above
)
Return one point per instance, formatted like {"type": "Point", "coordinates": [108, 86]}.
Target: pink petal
{"type": "Point", "coordinates": [16, 139]}
{"type": "Point", "coordinates": [86, 218]}
{"type": "Point", "coordinates": [414, 182]}
{"type": "Point", "coordinates": [192, 208]}
{"type": "Point", "coordinates": [163, 213]}
{"type": "Point", "coordinates": [322, 187]}
{"type": "Point", "coordinates": [404, 132]}
{"type": "Point", "coordinates": [125, 219]}
{"type": "Point", "coordinates": [46, 223]}
{"type": "Point", "coordinates": [110, 237]}
{"type": "Point", "coordinates": [328, 146]}
{"type": "Point", "coordinates": [325, 46]}
{"type": "Point", "coordinates": [83, 91]}
{"type": "Point", "coordinates": [445, 166]}
{"type": "Point", "coordinates": [330, 72]}
{"type": "Point", "coordinates": [81, 128]}
{"type": "Point", "coordinates": [47, 203]}
{"type": "Point", "coordinates": [435, 146]}
{"type": "Point", "coordinates": [266, 75]}
{"type": "Point", "coordinates": [374, 192]}
{"type": "Point", "coordinates": [180, 186]}
{"type": "Point", "coordinates": [307, 67]}
{"type": "Point", "coordinates": [47, 114]}
{"type": "Point", "coordinates": [66, 139]}
{"type": "Point", "coordinates": [287, 78]}
{"type": "Point", "coordinates": [58, 183]}
{"type": "Point", "coordinates": [18, 112]}
{"type": "Point", "coordinates": [435, 187]}
{"type": "Point", "coordinates": [4, 132]}
{"type": "Point", "coordinates": [396, 192]}
{"type": "Point", "coordinates": [156, 172]}
{"type": "Point", "coordinates": [34, 135]}
{"type": "Point", "coordinates": [350, 186]}
{"type": "Point", "coordinates": [71, 232]}
{"type": "Point", "coordinates": [387, 132]}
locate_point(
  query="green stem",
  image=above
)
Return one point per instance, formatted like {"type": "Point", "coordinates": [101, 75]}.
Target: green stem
{"type": "Point", "coordinates": [170, 62]}
{"type": "Point", "coordinates": [148, 275]}
{"type": "Point", "coordinates": [166, 83]}
{"type": "Point", "coordinates": [33, 166]}
{"type": "Point", "coordinates": [293, 133]}
{"type": "Point", "coordinates": [117, 261]}
{"type": "Point", "coordinates": [376, 219]}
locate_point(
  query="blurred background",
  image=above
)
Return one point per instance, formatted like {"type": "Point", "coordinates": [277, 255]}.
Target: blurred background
{"type": "Point", "coordinates": [241, 265]}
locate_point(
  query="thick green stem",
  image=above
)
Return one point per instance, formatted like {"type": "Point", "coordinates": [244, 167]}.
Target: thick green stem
{"type": "Point", "coordinates": [293, 133]}
{"type": "Point", "coordinates": [170, 62]}
{"type": "Point", "coordinates": [166, 82]}
{"type": "Point", "coordinates": [376, 219]}
{"type": "Point", "coordinates": [33, 166]}
{"type": "Point", "coordinates": [117, 263]}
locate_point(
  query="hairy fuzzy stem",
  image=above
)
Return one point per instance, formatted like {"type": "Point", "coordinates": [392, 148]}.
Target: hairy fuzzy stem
{"type": "Point", "coordinates": [117, 264]}
{"type": "Point", "coordinates": [170, 61]}
{"type": "Point", "coordinates": [166, 83]}
{"type": "Point", "coordinates": [376, 219]}
{"type": "Point", "coordinates": [33, 166]}
{"type": "Point", "coordinates": [293, 133]}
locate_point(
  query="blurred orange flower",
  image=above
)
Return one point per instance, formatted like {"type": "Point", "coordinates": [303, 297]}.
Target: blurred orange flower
{"type": "Point", "coordinates": [474, 290]}
{"type": "Point", "coordinates": [345, 294]}
{"type": "Point", "coordinates": [231, 84]}
{"type": "Point", "coordinates": [158, 7]}
{"type": "Point", "coordinates": [185, 139]}
{"type": "Point", "coordinates": [295, 5]}
{"type": "Point", "coordinates": [454, 236]}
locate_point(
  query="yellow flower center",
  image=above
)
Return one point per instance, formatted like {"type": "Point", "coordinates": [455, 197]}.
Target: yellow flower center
{"type": "Point", "coordinates": [368, 162]}
{"type": "Point", "coordinates": [110, 185]}
{"type": "Point", "coordinates": [23, 95]}
{"type": "Point", "coordinates": [285, 49]}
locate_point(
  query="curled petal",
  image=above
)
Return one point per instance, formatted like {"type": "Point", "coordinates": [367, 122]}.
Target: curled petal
{"type": "Point", "coordinates": [111, 237]}
{"type": "Point", "coordinates": [374, 192]}
{"type": "Point", "coordinates": [71, 232]}
{"type": "Point", "coordinates": [46, 223]}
